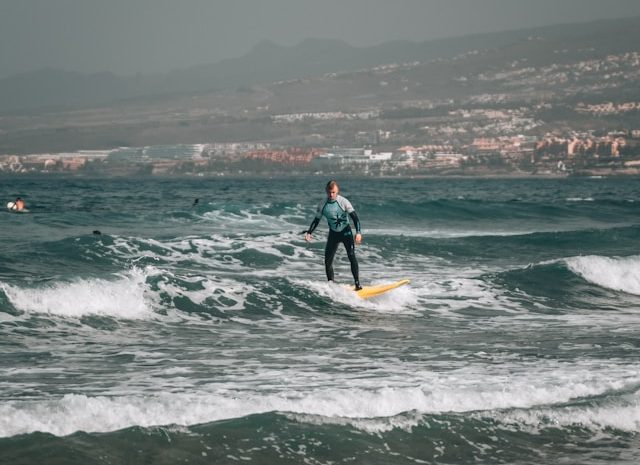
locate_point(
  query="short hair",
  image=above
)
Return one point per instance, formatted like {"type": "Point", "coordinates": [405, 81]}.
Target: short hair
{"type": "Point", "coordinates": [331, 184]}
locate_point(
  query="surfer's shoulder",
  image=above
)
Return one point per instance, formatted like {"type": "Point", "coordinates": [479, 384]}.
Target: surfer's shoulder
{"type": "Point", "coordinates": [344, 203]}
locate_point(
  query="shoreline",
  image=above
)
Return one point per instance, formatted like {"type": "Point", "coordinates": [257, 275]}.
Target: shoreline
{"type": "Point", "coordinates": [210, 176]}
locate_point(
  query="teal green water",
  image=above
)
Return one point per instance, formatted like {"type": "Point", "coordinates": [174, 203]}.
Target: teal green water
{"type": "Point", "coordinates": [207, 333]}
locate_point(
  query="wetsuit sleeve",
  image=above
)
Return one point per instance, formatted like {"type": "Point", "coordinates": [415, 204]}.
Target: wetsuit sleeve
{"type": "Point", "coordinates": [346, 206]}
{"type": "Point", "coordinates": [316, 220]}
{"type": "Point", "coordinates": [314, 224]}
{"type": "Point", "coordinates": [356, 221]}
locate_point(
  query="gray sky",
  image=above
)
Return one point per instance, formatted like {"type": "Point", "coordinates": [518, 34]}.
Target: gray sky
{"type": "Point", "coordinates": [131, 36]}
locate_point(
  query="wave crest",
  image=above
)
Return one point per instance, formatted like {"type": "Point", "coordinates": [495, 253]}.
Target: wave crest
{"type": "Point", "coordinates": [125, 297]}
{"type": "Point", "coordinates": [619, 274]}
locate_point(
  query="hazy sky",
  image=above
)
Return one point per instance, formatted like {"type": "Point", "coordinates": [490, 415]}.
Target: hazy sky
{"type": "Point", "coordinates": [131, 36]}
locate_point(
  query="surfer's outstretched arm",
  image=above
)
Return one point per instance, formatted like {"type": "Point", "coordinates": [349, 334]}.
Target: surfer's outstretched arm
{"type": "Point", "coordinates": [314, 225]}
{"type": "Point", "coordinates": [315, 222]}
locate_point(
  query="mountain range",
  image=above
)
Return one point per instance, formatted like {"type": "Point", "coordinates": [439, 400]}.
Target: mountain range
{"type": "Point", "coordinates": [48, 89]}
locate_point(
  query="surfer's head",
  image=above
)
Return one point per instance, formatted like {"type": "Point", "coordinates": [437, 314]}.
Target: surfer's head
{"type": "Point", "coordinates": [332, 190]}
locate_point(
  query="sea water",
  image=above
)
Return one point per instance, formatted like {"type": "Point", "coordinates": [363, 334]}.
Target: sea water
{"type": "Point", "coordinates": [140, 326]}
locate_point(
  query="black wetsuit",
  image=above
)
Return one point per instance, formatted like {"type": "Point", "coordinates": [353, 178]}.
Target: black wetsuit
{"type": "Point", "coordinates": [337, 213]}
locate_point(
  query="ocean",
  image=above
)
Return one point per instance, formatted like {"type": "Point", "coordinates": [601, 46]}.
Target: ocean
{"type": "Point", "coordinates": [206, 333]}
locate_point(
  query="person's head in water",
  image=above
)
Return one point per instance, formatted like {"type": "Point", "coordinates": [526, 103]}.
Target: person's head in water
{"type": "Point", "coordinates": [332, 190]}
{"type": "Point", "coordinates": [19, 204]}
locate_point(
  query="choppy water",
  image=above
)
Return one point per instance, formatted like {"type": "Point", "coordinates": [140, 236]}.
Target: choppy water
{"type": "Point", "coordinates": [207, 334]}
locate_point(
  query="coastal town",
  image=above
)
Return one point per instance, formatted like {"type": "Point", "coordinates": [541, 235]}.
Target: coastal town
{"type": "Point", "coordinates": [615, 153]}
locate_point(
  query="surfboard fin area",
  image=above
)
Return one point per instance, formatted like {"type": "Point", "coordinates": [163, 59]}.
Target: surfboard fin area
{"type": "Point", "coordinates": [372, 291]}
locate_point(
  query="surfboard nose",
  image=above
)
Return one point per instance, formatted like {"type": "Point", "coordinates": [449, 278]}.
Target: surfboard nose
{"type": "Point", "coordinates": [371, 291]}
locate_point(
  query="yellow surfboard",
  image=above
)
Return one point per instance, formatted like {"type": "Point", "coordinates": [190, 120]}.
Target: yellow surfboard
{"type": "Point", "coordinates": [372, 291]}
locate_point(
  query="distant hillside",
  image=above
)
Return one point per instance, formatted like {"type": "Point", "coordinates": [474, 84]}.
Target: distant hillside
{"type": "Point", "coordinates": [269, 62]}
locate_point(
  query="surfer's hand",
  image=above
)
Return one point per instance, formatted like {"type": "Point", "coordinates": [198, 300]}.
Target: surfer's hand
{"type": "Point", "coordinates": [358, 238]}
{"type": "Point", "coordinates": [307, 237]}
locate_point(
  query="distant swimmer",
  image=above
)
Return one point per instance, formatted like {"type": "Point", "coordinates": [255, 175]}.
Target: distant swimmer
{"type": "Point", "coordinates": [195, 202]}
{"type": "Point", "coordinates": [337, 210]}
{"type": "Point", "coordinates": [17, 205]}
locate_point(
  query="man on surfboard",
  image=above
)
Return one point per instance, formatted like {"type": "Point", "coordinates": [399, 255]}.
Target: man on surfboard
{"type": "Point", "coordinates": [337, 210]}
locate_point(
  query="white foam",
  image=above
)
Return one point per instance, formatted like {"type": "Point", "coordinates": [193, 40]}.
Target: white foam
{"type": "Point", "coordinates": [217, 251]}
{"type": "Point", "coordinates": [397, 300]}
{"type": "Point", "coordinates": [254, 220]}
{"type": "Point", "coordinates": [365, 407]}
{"type": "Point", "coordinates": [213, 288]}
{"type": "Point", "coordinates": [404, 421]}
{"type": "Point", "coordinates": [125, 297]}
{"type": "Point", "coordinates": [463, 232]}
{"type": "Point", "coordinates": [625, 417]}
{"type": "Point", "coordinates": [620, 274]}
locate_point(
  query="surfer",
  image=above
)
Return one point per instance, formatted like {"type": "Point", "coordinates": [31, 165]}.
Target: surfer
{"type": "Point", "coordinates": [337, 210]}
{"type": "Point", "coordinates": [17, 205]}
